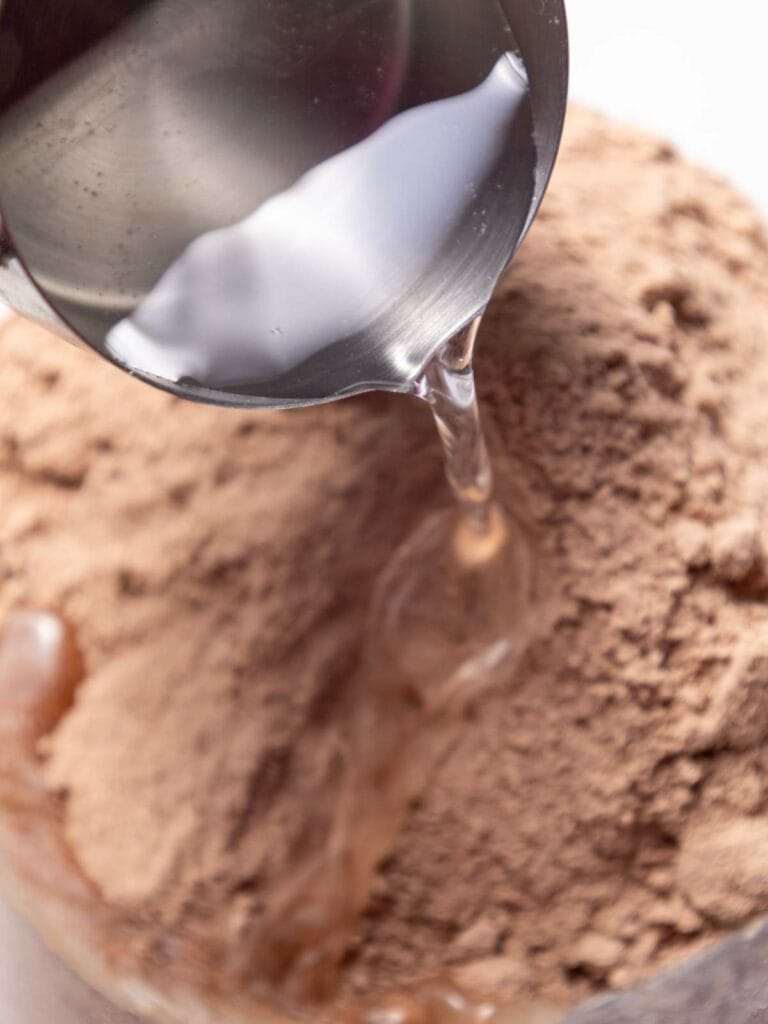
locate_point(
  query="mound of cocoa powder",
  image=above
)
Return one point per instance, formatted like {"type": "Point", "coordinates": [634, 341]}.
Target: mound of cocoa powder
{"type": "Point", "coordinates": [601, 814]}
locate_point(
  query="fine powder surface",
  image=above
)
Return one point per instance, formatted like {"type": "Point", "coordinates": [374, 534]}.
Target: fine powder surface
{"type": "Point", "coordinates": [603, 812]}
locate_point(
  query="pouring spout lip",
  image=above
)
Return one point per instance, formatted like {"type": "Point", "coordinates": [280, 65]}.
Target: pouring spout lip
{"type": "Point", "coordinates": [200, 395]}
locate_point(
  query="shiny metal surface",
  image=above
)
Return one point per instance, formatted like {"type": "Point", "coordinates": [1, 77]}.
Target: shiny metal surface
{"type": "Point", "coordinates": [726, 984]}
{"type": "Point", "coordinates": [130, 129]}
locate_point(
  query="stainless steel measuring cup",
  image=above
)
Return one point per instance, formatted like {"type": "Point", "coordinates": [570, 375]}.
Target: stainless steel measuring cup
{"type": "Point", "coordinates": [185, 185]}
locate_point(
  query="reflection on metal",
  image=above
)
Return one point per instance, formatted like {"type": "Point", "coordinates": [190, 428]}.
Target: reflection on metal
{"type": "Point", "coordinates": [348, 253]}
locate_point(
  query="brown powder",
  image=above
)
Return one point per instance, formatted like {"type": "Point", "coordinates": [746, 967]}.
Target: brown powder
{"type": "Point", "coordinates": [603, 812]}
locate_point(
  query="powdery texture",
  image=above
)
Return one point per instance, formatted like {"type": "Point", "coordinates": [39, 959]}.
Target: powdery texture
{"type": "Point", "coordinates": [601, 814]}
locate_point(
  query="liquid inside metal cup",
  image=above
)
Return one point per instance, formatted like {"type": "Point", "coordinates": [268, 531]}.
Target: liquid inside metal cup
{"type": "Point", "coordinates": [270, 203]}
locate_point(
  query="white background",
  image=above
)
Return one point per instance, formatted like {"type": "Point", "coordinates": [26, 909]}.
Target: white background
{"type": "Point", "coordinates": [694, 70]}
